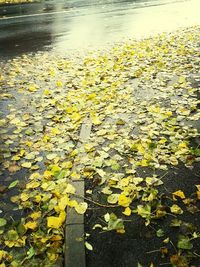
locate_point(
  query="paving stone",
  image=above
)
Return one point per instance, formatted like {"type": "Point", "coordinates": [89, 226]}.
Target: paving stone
{"type": "Point", "coordinates": [74, 246]}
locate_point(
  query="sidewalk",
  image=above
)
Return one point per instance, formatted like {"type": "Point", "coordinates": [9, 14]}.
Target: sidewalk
{"type": "Point", "coordinates": [139, 162]}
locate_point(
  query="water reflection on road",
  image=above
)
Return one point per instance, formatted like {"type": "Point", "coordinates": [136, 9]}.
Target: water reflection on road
{"type": "Point", "coordinates": [82, 24]}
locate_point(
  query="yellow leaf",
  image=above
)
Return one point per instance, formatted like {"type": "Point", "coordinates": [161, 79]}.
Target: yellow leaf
{"type": "Point", "coordinates": [52, 256]}
{"type": "Point", "coordinates": [176, 209]}
{"type": "Point", "coordinates": [51, 156]}
{"type": "Point", "coordinates": [67, 165]}
{"type": "Point", "coordinates": [37, 199]}
{"type": "Point", "coordinates": [36, 215]}
{"type": "Point", "coordinates": [182, 145]}
{"type": "Point", "coordinates": [124, 201]}
{"type": "Point", "coordinates": [26, 164]}
{"type": "Point", "coordinates": [127, 211]}
{"type": "Point", "coordinates": [46, 138]}
{"type": "Point", "coordinates": [91, 96]}
{"type": "Point", "coordinates": [140, 149]}
{"type": "Point", "coordinates": [162, 141]}
{"type": "Point", "coordinates": [56, 238]}
{"type": "Point", "coordinates": [81, 207]}
{"type": "Point", "coordinates": [75, 175]}
{"type": "Point", "coordinates": [31, 225]}
{"type": "Point", "coordinates": [55, 131]}
{"type": "Point", "coordinates": [32, 88]}
{"type": "Point", "coordinates": [179, 194]}
{"type": "Point", "coordinates": [143, 163]}
{"type": "Point", "coordinates": [9, 244]}
{"type": "Point", "coordinates": [95, 119]}
{"type": "Point", "coordinates": [4, 255]}
{"type": "Point", "coordinates": [55, 168]}
{"type": "Point", "coordinates": [182, 79]}
{"type": "Point", "coordinates": [46, 92]}
{"type": "Point", "coordinates": [72, 203]}
{"type": "Point", "coordinates": [47, 174]}
{"type": "Point", "coordinates": [22, 152]}
{"type": "Point", "coordinates": [59, 84]}
{"type": "Point", "coordinates": [120, 231]}
{"type": "Point", "coordinates": [89, 147]}
{"type": "Point", "coordinates": [24, 196]}
{"type": "Point", "coordinates": [63, 202]}
{"type": "Point", "coordinates": [70, 189]}
{"type": "Point", "coordinates": [74, 153]}
{"type": "Point", "coordinates": [168, 113]}
{"type": "Point", "coordinates": [35, 175]}
{"type": "Point", "coordinates": [56, 222]}
{"type": "Point", "coordinates": [16, 157]}
{"type": "Point", "coordinates": [32, 185]}
{"type": "Point", "coordinates": [29, 143]}
{"type": "Point", "coordinates": [76, 116]}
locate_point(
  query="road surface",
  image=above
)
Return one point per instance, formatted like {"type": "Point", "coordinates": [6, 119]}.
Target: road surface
{"type": "Point", "coordinates": [62, 26]}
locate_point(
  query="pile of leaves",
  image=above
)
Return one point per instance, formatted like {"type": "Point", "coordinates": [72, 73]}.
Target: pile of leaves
{"type": "Point", "coordinates": [142, 108]}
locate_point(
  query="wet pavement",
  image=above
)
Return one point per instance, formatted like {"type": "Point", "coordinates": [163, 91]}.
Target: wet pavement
{"type": "Point", "coordinates": [63, 26]}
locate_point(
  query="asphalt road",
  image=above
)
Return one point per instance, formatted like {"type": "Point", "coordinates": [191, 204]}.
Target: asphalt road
{"type": "Point", "coordinates": [63, 26]}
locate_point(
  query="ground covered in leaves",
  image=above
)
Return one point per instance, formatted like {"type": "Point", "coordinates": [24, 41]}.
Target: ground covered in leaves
{"type": "Point", "coordinates": [142, 100]}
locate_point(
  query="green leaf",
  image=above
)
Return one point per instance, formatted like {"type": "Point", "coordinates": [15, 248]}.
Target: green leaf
{"type": "Point", "coordinates": [62, 174]}
{"type": "Point", "coordinates": [30, 253]}
{"type": "Point", "coordinates": [115, 223]}
{"type": "Point", "coordinates": [2, 222]}
{"type": "Point", "coordinates": [195, 151]}
{"type": "Point", "coordinates": [184, 243]}
{"type": "Point", "coordinates": [152, 146]}
{"type": "Point", "coordinates": [176, 223]}
{"type": "Point", "coordinates": [160, 233]}
{"type": "Point", "coordinates": [13, 184]}
{"type": "Point", "coordinates": [12, 235]}
{"type": "Point", "coordinates": [144, 211]}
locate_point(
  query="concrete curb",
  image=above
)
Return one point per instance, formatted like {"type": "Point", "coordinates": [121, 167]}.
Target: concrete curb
{"type": "Point", "coordinates": [74, 229]}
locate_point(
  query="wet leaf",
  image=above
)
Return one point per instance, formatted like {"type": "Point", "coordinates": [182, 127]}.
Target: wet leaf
{"type": "Point", "coordinates": [176, 209]}
{"type": "Point", "coordinates": [179, 194]}
{"type": "Point", "coordinates": [32, 185]}
{"type": "Point", "coordinates": [81, 207]}
{"type": "Point", "coordinates": [26, 165]}
{"type": "Point", "coordinates": [88, 246]}
{"type": "Point", "coordinates": [124, 201]}
{"type": "Point", "coordinates": [56, 222]}
{"type": "Point", "coordinates": [113, 198]}
{"type": "Point", "coordinates": [51, 156]}
{"type": "Point", "coordinates": [160, 233]}
{"type": "Point", "coordinates": [31, 225]}
{"type": "Point", "coordinates": [176, 223]}
{"type": "Point", "coordinates": [3, 222]}
{"type": "Point", "coordinates": [13, 184]}
{"type": "Point", "coordinates": [184, 243]}
{"type": "Point", "coordinates": [179, 261]}
{"type": "Point", "coordinates": [30, 253]}
{"type": "Point", "coordinates": [127, 211]}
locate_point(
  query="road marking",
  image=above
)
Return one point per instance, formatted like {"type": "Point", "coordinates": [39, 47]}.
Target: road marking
{"type": "Point", "coordinates": [34, 15]}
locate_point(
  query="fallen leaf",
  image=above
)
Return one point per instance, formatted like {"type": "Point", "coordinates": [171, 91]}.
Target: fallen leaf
{"type": "Point", "coordinates": [88, 246]}
{"type": "Point", "coordinates": [81, 207]}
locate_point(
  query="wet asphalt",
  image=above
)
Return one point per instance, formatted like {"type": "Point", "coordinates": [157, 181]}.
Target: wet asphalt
{"type": "Point", "coordinates": [63, 26]}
